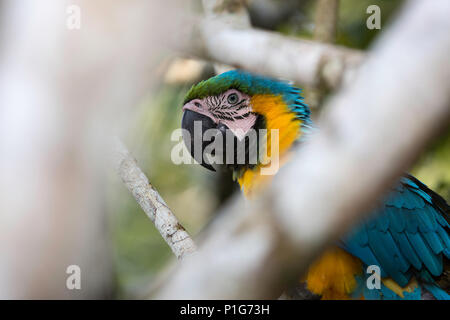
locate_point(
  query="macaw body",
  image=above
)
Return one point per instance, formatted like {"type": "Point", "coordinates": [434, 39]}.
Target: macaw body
{"type": "Point", "coordinates": [407, 237]}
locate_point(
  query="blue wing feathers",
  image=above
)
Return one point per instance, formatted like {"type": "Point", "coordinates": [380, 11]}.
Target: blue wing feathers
{"type": "Point", "coordinates": [429, 259]}
{"type": "Point", "coordinates": [408, 235]}
{"type": "Point", "coordinates": [396, 221]}
{"type": "Point", "coordinates": [407, 249]}
{"type": "Point", "coordinates": [382, 223]}
{"type": "Point", "coordinates": [424, 195]}
{"type": "Point", "coordinates": [441, 220]}
{"type": "Point", "coordinates": [444, 237]}
{"type": "Point", "coordinates": [433, 240]}
{"type": "Point", "coordinates": [383, 250]}
{"type": "Point", "coordinates": [394, 200]}
{"type": "Point", "coordinates": [427, 220]}
{"type": "Point", "coordinates": [364, 253]}
{"type": "Point", "coordinates": [411, 219]}
{"type": "Point", "coordinates": [411, 200]}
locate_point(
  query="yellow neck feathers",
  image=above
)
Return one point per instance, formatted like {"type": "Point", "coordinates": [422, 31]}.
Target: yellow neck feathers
{"type": "Point", "coordinates": [278, 116]}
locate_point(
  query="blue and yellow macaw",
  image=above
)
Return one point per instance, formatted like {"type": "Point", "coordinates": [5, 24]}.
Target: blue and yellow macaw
{"type": "Point", "coordinates": [408, 236]}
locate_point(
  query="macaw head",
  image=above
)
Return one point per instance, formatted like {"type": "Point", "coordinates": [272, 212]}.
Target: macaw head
{"type": "Point", "coordinates": [240, 109]}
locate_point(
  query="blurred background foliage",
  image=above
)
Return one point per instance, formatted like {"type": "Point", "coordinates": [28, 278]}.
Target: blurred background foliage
{"type": "Point", "coordinates": [194, 193]}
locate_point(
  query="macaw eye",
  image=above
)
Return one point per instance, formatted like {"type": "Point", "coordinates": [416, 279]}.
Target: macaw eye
{"type": "Point", "coordinates": [232, 98]}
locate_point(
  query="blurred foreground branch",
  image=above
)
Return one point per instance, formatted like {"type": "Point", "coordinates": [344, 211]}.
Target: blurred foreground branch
{"type": "Point", "coordinates": [152, 203]}
{"type": "Point", "coordinates": [256, 249]}
{"type": "Point", "coordinates": [64, 90]}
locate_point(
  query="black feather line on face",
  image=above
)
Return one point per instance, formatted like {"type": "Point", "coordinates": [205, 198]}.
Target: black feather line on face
{"type": "Point", "coordinates": [226, 115]}
{"type": "Point", "coordinates": [241, 105]}
{"type": "Point", "coordinates": [225, 112]}
{"type": "Point", "coordinates": [245, 115]}
{"type": "Point", "coordinates": [212, 103]}
{"type": "Point", "coordinates": [222, 117]}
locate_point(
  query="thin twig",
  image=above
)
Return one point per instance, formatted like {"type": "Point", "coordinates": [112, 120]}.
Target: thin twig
{"type": "Point", "coordinates": [152, 203]}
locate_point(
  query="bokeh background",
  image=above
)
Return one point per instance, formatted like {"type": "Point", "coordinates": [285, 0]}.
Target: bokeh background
{"type": "Point", "coordinates": [193, 193]}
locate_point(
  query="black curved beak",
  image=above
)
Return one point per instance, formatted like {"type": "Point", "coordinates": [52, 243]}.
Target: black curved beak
{"type": "Point", "coordinates": [195, 125]}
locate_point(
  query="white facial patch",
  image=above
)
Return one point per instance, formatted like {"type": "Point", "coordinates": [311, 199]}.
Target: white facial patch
{"type": "Point", "coordinates": [231, 108]}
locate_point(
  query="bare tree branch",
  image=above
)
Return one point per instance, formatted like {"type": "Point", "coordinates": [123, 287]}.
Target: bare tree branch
{"type": "Point", "coordinates": [227, 39]}
{"type": "Point", "coordinates": [257, 248]}
{"type": "Point", "coordinates": [152, 203]}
